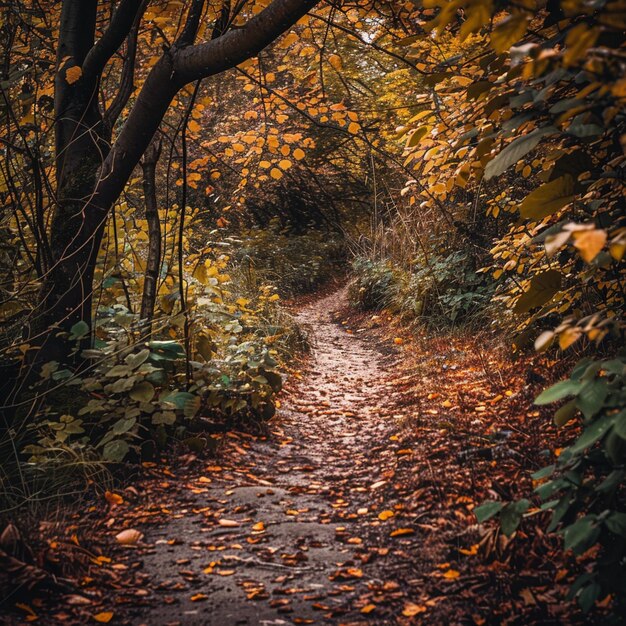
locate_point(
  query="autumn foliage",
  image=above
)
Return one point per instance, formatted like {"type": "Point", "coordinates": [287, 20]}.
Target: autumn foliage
{"type": "Point", "coordinates": [171, 171]}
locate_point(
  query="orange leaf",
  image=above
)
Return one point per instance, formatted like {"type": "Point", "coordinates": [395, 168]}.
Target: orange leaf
{"type": "Point", "coordinates": [411, 609]}
{"type": "Point", "coordinates": [113, 498]}
{"type": "Point", "coordinates": [198, 597]}
{"type": "Point", "coordinates": [228, 523]}
{"type": "Point", "coordinates": [104, 618]}
{"type": "Point", "coordinates": [128, 537]}
{"type": "Point", "coordinates": [73, 74]}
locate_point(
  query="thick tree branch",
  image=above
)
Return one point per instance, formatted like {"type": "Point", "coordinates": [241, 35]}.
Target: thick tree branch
{"type": "Point", "coordinates": [235, 46]}
{"type": "Point", "coordinates": [112, 38]}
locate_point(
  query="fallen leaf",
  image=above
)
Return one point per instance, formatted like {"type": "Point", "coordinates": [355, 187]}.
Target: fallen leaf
{"type": "Point", "coordinates": [451, 574]}
{"type": "Point", "coordinates": [399, 532]}
{"type": "Point", "coordinates": [104, 618]}
{"type": "Point", "coordinates": [385, 515]}
{"type": "Point", "coordinates": [228, 523]}
{"type": "Point", "coordinates": [128, 537]}
{"type": "Point", "coordinates": [113, 498]}
{"type": "Point", "coordinates": [199, 597]}
{"type": "Point", "coordinates": [411, 609]}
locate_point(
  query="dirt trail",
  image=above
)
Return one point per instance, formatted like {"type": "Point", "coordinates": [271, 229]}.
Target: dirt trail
{"type": "Point", "coordinates": [309, 545]}
{"type": "Point", "coordinates": [355, 508]}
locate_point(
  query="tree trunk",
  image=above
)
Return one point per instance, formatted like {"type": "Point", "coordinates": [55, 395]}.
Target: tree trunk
{"type": "Point", "coordinates": [153, 263]}
{"type": "Point", "coordinates": [90, 175]}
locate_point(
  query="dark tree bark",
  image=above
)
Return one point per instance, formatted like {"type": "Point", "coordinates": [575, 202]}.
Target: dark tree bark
{"type": "Point", "coordinates": [153, 262]}
{"type": "Point", "coordinates": [92, 174]}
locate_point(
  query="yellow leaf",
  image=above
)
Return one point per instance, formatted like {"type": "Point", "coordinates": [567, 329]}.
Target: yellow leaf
{"type": "Point", "coordinates": [354, 128]}
{"type": "Point", "coordinates": [589, 243]}
{"type": "Point", "coordinates": [335, 61]}
{"type": "Point", "coordinates": [617, 250]}
{"type": "Point", "coordinates": [298, 154]}
{"type": "Point", "coordinates": [368, 608]}
{"type": "Point", "coordinates": [104, 618]}
{"type": "Point", "coordinates": [398, 341]}
{"type": "Point", "coordinates": [509, 31]}
{"type": "Point", "coordinates": [193, 126]}
{"type": "Point", "coordinates": [411, 609]}
{"type": "Point", "coordinates": [385, 515]}
{"type": "Point", "coordinates": [451, 574]}
{"type": "Point", "coordinates": [72, 74]}
{"type": "Point", "coordinates": [284, 164]}
{"type": "Point", "coordinates": [568, 337]}
{"type": "Point", "coordinates": [276, 174]}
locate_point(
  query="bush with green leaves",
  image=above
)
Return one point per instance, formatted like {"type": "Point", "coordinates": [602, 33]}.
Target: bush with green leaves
{"type": "Point", "coordinates": [375, 284]}
{"type": "Point", "coordinates": [130, 392]}
{"type": "Point", "coordinates": [445, 290]}
{"type": "Point", "coordinates": [585, 490]}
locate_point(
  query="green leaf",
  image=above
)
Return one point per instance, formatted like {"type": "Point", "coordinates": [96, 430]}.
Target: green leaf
{"type": "Point", "coordinates": [164, 417]}
{"type": "Point", "coordinates": [511, 516]}
{"type": "Point", "coordinates": [619, 427]}
{"type": "Point", "coordinates": [115, 451]}
{"type": "Point", "coordinates": [542, 289]}
{"type": "Point", "coordinates": [487, 510]}
{"type": "Point", "coordinates": [548, 198]}
{"type": "Point", "coordinates": [544, 472]}
{"type": "Point", "coordinates": [178, 398]}
{"type": "Point", "coordinates": [142, 392]}
{"type": "Point", "coordinates": [616, 523]}
{"type": "Point", "coordinates": [123, 425]}
{"type": "Point", "coordinates": [592, 433]}
{"type": "Point", "coordinates": [558, 391]}
{"type": "Point", "coordinates": [135, 360]}
{"type": "Point", "coordinates": [79, 330]}
{"type": "Point", "coordinates": [582, 534]}
{"type": "Point", "coordinates": [168, 350]}
{"type": "Point", "coordinates": [588, 596]}
{"type": "Point", "coordinates": [118, 371]}
{"type": "Point", "coordinates": [516, 150]}
{"type": "Point", "coordinates": [565, 413]}
{"type": "Point", "coordinates": [591, 397]}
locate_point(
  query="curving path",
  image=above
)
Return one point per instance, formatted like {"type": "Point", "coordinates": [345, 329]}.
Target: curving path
{"type": "Point", "coordinates": [293, 530]}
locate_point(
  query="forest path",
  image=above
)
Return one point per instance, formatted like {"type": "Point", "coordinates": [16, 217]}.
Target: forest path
{"type": "Point", "coordinates": [290, 528]}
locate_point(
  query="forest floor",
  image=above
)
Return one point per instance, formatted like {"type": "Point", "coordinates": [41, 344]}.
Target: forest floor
{"type": "Point", "coordinates": [355, 507]}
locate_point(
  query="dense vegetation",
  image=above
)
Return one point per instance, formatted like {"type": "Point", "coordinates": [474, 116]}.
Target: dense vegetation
{"type": "Point", "coordinates": [167, 187]}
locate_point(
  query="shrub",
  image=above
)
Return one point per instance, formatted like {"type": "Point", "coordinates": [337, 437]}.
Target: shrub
{"type": "Point", "coordinates": [585, 489]}
{"type": "Point", "coordinates": [374, 285]}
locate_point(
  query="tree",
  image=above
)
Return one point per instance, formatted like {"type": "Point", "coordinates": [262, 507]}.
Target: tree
{"type": "Point", "coordinates": [92, 167]}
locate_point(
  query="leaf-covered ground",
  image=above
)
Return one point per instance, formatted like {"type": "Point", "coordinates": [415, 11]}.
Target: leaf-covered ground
{"type": "Point", "coordinates": [354, 508]}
